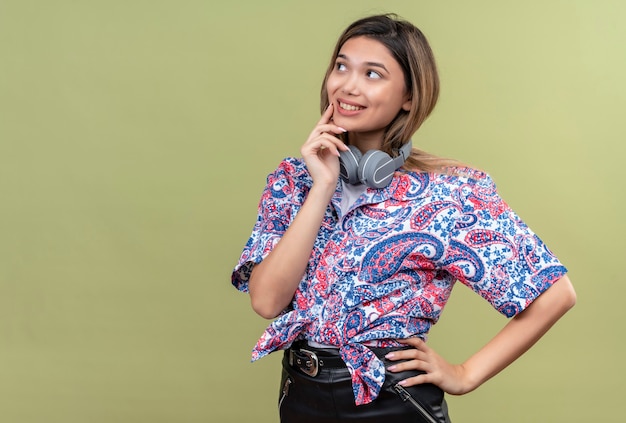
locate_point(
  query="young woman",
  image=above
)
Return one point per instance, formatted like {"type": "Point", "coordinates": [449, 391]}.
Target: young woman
{"type": "Point", "coordinates": [358, 244]}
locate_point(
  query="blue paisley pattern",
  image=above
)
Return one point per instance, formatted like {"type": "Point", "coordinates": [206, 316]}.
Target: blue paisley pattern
{"type": "Point", "coordinates": [385, 269]}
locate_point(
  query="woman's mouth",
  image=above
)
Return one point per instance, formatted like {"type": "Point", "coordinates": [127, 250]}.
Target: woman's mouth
{"type": "Point", "coordinates": [349, 107]}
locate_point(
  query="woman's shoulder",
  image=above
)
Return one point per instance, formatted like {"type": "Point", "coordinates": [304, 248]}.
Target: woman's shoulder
{"type": "Point", "coordinates": [290, 166]}
{"type": "Point", "coordinates": [456, 184]}
{"type": "Point", "coordinates": [455, 175]}
{"type": "Point", "coordinates": [291, 170]}
{"type": "Point", "coordinates": [468, 180]}
{"type": "Point", "coordinates": [465, 172]}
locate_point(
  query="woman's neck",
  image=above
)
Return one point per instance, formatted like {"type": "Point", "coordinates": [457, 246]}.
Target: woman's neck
{"type": "Point", "coordinates": [366, 141]}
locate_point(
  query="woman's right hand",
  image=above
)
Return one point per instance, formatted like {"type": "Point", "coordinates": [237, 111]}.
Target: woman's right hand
{"type": "Point", "coordinates": [321, 150]}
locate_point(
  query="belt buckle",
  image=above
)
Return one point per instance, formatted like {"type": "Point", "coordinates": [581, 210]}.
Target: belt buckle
{"type": "Point", "coordinates": [309, 364]}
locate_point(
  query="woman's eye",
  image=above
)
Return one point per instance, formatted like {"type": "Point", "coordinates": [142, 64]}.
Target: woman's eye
{"type": "Point", "coordinates": [373, 75]}
{"type": "Point", "coordinates": [340, 67]}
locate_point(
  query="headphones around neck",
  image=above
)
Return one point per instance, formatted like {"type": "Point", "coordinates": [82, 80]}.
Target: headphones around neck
{"type": "Point", "coordinates": [374, 168]}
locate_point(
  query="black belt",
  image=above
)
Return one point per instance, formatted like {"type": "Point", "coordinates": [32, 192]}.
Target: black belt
{"type": "Point", "coordinates": [311, 360]}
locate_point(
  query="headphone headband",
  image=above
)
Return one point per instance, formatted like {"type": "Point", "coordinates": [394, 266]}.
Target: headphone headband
{"type": "Point", "coordinates": [405, 151]}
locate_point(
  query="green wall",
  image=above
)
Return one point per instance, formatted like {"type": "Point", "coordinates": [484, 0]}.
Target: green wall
{"type": "Point", "coordinates": [135, 137]}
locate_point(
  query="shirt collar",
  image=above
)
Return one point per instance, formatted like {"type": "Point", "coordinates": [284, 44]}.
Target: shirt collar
{"type": "Point", "coordinates": [403, 186]}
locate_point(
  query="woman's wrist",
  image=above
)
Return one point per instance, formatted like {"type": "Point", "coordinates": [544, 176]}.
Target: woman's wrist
{"type": "Point", "coordinates": [470, 379]}
{"type": "Point", "coordinates": [322, 191]}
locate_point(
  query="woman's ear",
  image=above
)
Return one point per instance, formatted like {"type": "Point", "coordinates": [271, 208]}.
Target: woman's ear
{"type": "Point", "coordinates": [406, 106]}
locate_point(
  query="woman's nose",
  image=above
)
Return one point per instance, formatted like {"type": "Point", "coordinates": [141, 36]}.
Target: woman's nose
{"type": "Point", "coordinates": [351, 85]}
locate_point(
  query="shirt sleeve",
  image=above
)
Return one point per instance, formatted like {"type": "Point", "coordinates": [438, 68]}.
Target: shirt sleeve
{"type": "Point", "coordinates": [492, 251]}
{"type": "Point", "coordinates": [273, 217]}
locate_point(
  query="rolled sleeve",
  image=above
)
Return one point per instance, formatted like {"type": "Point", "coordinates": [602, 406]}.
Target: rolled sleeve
{"type": "Point", "coordinates": [492, 251]}
{"type": "Point", "coordinates": [273, 219]}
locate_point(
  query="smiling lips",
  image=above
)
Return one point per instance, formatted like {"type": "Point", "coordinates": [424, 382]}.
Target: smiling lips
{"type": "Point", "coordinates": [349, 107]}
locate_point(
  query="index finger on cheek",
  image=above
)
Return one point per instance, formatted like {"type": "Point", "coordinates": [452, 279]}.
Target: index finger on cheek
{"type": "Point", "coordinates": [328, 113]}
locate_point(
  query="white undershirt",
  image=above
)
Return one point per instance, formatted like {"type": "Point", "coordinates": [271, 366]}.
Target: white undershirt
{"type": "Point", "coordinates": [349, 194]}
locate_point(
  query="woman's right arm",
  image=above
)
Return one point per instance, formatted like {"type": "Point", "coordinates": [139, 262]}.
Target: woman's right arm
{"type": "Point", "coordinates": [274, 281]}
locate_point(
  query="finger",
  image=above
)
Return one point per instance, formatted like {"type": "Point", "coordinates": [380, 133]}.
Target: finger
{"type": "Point", "coordinates": [318, 146]}
{"type": "Point", "coordinates": [411, 354]}
{"type": "Point", "coordinates": [417, 344]}
{"type": "Point", "coordinates": [335, 142]}
{"type": "Point", "coordinates": [326, 140]}
{"type": "Point", "coordinates": [414, 342]}
{"type": "Point", "coordinates": [325, 125]}
{"type": "Point", "coordinates": [417, 352]}
{"type": "Point", "coordinates": [409, 365]}
{"type": "Point", "coordinates": [329, 127]}
{"type": "Point", "coordinates": [328, 113]}
{"type": "Point", "coordinates": [328, 145]}
{"type": "Point", "coordinates": [416, 380]}
{"type": "Point", "coordinates": [330, 130]}
{"type": "Point", "coordinates": [323, 151]}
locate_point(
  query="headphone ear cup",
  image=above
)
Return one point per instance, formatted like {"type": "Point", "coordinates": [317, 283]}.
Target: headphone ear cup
{"type": "Point", "coordinates": [349, 164]}
{"type": "Point", "coordinates": [376, 169]}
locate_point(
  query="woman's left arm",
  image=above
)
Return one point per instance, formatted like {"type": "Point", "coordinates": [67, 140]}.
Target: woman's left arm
{"type": "Point", "coordinates": [510, 343]}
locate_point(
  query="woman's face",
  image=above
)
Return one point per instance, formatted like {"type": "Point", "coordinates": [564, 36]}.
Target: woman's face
{"type": "Point", "coordinates": [367, 89]}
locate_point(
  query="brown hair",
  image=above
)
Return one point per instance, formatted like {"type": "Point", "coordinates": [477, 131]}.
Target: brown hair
{"type": "Point", "coordinates": [409, 47]}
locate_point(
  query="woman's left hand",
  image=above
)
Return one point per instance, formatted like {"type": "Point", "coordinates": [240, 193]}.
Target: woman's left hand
{"type": "Point", "coordinates": [517, 336]}
{"type": "Point", "coordinates": [449, 377]}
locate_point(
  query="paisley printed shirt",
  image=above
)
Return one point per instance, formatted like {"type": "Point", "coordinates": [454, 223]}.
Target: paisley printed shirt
{"type": "Point", "coordinates": [385, 269]}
